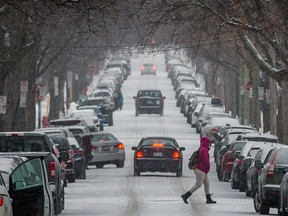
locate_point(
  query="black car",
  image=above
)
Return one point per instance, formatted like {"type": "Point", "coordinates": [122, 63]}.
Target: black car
{"type": "Point", "coordinates": [149, 101]}
{"type": "Point", "coordinates": [158, 154]}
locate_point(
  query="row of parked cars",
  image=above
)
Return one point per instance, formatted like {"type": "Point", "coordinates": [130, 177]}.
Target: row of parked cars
{"type": "Point", "coordinates": [36, 166]}
{"type": "Point", "coordinates": [253, 163]}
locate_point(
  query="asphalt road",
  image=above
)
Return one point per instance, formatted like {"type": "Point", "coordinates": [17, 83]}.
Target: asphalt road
{"type": "Point", "coordinates": [115, 191]}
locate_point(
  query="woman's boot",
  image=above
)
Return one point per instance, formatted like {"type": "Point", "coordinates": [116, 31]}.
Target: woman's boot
{"type": "Point", "coordinates": [186, 196]}
{"type": "Point", "coordinates": [209, 200]}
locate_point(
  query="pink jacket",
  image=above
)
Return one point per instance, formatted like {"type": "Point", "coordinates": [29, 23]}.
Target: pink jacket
{"type": "Point", "coordinates": [204, 157]}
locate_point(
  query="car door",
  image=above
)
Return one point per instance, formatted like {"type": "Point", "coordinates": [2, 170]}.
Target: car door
{"type": "Point", "coordinates": [29, 189]}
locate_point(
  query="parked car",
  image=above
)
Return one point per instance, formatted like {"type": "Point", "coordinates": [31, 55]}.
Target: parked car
{"type": "Point", "coordinates": [79, 159]}
{"type": "Point", "coordinates": [253, 172]}
{"type": "Point", "coordinates": [242, 162]}
{"type": "Point", "coordinates": [63, 145]}
{"type": "Point", "coordinates": [158, 154]}
{"type": "Point", "coordinates": [20, 143]}
{"type": "Point", "coordinates": [88, 115]}
{"type": "Point", "coordinates": [228, 158]}
{"type": "Point", "coordinates": [107, 149]}
{"type": "Point", "coordinates": [29, 190]}
{"type": "Point", "coordinates": [106, 107]}
{"type": "Point", "coordinates": [148, 68]}
{"type": "Point", "coordinates": [214, 123]}
{"type": "Point", "coordinates": [283, 200]}
{"type": "Point", "coordinates": [272, 172]}
{"type": "Point", "coordinates": [5, 200]}
{"type": "Point", "coordinates": [258, 137]}
{"type": "Point", "coordinates": [149, 101]}
{"type": "Point", "coordinates": [7, 165]}
{"type": "Point", "coordinates": [98, 113]}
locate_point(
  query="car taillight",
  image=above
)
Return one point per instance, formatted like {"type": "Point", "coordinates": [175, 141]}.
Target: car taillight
{"type": "Point", "coordinates": [137, 100]}
{"type": "Point", "coordinates": [157, 145]}
{"type": "Point", "coordinates": [139, 154]}
{"type": "Point", "coordinates": [1, 200]}
{"type": "Point", "coordinates": [119, 146]}
{"type": "Point", "coordinates": [94, 148]}
{"type": "Point", "coordinates": [52, 168]}
{"type": "Point", "coordinates": [239, 163]}
{"type": "Point", "coordinates": [270, 171]}
{"type": "Point", "coordinates": [142, 67]}
{"type": "Point", "coordinates": [230, 157]}
{"type": "Point", "coordinates": [154, 67]}
{"type": "Point", "coordinates": [176, 154]}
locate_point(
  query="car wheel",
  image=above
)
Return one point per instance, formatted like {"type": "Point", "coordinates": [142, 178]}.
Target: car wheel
{"type": "Point", "coordinates": [137, 112]}
{"type": "Point", "coordinates": [82, 174]}
{"type": "Point", "coordinates": [99, 165]}
{"type": "Point", "coordinates": [225, 177]}
{"type": "Point", "coordinates": [179, 173]}
{"type": "Point", "coordinates": [247, 192]}
{"type": "Point", "coordinates": [120, 164]}
{"type": "Point", "coordinates": [62, 202]}
{"type": "Point", "coordinates": [219, 175]}
{"type": "Point", "coordinates": [136, 172]}
{"type": "Point", "coordinates": [161, 113]}
{"type": "Point", "coordinates": [71, 178]}
{"type": "Point", "coordinates": [56, 202]}
{"type": "Point", "coordinates": [260, 205]}
{"type": "Point", "coordinates": [111, 119]}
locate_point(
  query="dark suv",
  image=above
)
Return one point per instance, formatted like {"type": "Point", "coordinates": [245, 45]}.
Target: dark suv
{"type": "Point", "coordinates": [32, 145]}
{"type": "Point", "coordinates": [149, 101]}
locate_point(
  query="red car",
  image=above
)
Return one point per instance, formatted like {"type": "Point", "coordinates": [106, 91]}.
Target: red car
{"type": "Point", "coordinates": [228, 158]}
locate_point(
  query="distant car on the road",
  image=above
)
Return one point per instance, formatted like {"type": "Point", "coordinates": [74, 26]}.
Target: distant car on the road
{"type": "Point", "coordinates": [149, 101]}
{"type": "Point", "coordinates": [158, 154]}
{"type": "Point", "coordinates": [148, 68]}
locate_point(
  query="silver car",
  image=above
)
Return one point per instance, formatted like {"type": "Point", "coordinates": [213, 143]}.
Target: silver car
{"type": "Point", "coordinates": [107, 149]}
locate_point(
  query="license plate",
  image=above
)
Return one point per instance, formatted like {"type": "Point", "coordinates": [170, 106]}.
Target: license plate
{"type": "Point", "coordinates": [150, 102]}
{"type": "Point", "coordinates": [157, 154]}
{"type": "Point", "coordinates": [105, 148]}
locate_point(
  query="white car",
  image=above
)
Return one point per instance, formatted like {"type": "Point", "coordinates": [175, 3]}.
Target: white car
{"type": "Point", "coordinates": [88, 115]}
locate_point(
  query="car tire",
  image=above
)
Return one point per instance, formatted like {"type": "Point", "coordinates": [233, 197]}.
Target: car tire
{"type": "Point", "coordinates": [120, 164]}
{"type": "Point", "coordinates": [110, 119]}
{"type": "Point", "coordinates": [136, 172]}
{"type": "Point", "coordinates": [99, 165]}
{"type": "Point", "coordinates": [260, 205]}
{"type": "Point", "coordinates": [161, 113]}
{"type": "Point", "coordinates": [247, 192]}
{"type": "Point", "coordinates": [82, 174]}
{"type": "Point", "coordinates": [179, 173]}
{"type": "Point", "coordinates": [225, 177]}
{"type": "Point", "coordinates": [62, 202]}
{"type": "Point", "coordinates": [71, 178]}
{"type": "Point", "coordinates": [137, 112]}
{"type": "Point", "coordinates": [56, 202]}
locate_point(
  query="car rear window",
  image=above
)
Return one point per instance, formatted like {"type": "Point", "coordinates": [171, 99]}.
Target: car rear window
{"type": "Point", "coordinates": [61, 140]}
{"type": "Point", "coordinates": [23, 144]}
{"type": "Point", "coordinates": [282, 157]}
{"type": "Point", "coordinates": [103, 137]}
{"type": "Point", "coordinates": [157, 140]}
{"type": "Point", "coordinates": [149, 94]}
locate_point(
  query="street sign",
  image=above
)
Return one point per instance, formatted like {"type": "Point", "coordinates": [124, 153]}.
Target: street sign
{"type": "Point", "coordinates": [3, 103]}
{"type": "Point", "coordinates": [24, 86]}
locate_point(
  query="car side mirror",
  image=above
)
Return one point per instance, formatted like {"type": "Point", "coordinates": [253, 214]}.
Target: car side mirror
{"type": "Point", "coordinates": [164, 97]}
{"type": "Point", "coordinates": [200, 120]}
{"type": "Point", "coordinates": [196, 114]}
{"type": "Point", "coordinates": [258, 164]}
{"type": "Point", "coordinates": [134, 97]}
{"type": "Point", "coordinates": [182, 148]}
{"type": "Point", "coordinates": [134, 148]}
